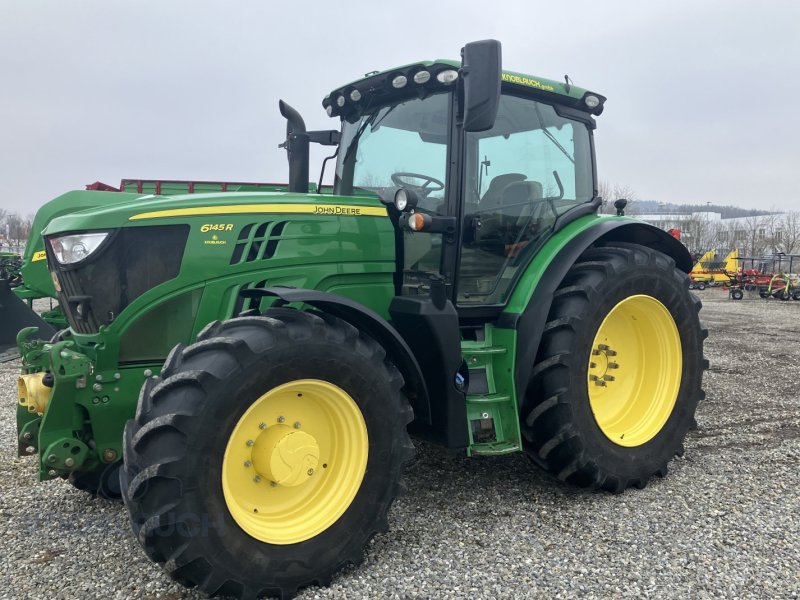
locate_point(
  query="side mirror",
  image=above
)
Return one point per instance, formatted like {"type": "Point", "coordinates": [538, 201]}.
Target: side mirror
{"type": "Point", "coordinates": [481, 65]}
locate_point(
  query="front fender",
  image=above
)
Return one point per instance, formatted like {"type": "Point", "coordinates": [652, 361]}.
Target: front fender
{"type": "Point", "coordinates": [371, 323]}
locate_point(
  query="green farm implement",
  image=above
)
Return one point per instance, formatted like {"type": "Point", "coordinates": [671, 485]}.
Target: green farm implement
{"type": "Point", "coordinates": [269, 353]}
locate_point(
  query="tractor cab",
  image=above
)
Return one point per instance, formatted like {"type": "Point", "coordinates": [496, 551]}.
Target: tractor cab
{"type": "Point", "coordinates": [472, 200]}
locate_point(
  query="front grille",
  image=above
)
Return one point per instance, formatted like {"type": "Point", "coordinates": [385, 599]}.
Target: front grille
{"type": "Point", "coordinates": [131, 262]}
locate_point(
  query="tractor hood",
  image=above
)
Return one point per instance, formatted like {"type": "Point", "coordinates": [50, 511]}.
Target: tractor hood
{"type": "Point", "coordinates": [157, 210]}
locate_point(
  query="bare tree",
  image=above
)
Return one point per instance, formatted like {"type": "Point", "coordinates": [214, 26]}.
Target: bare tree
{"type": "Point", "coordinates": [755, 228]}
{"type": "Point", "coordinates": [790, 233]}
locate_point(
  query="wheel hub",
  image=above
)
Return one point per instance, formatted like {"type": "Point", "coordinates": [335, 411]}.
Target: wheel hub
{"type": "Point", "coordinates": [286, 456]}
{"type": "Point", "coordinates": [603, 359]}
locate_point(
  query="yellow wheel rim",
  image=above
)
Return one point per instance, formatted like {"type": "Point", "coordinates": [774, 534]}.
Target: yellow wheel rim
{"type": "Point", "coordinates": [295, 461]}
{"type": "Point", "coordinates": [635, 370]}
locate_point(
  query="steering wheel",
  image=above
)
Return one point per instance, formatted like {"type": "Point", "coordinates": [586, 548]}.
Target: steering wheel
{"type": "Point", "coordinates": [430, 184]}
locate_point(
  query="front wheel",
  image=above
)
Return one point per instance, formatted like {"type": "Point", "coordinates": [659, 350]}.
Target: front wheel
{"type": "Point", "coordinates": [618, 373]}
{"type": "Point", "coordinates": [737, 294]}
{"type": "Point", "coordinates": [267, 454]}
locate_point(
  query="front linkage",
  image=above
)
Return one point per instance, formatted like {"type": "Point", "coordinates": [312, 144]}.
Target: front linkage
{"type": "Point", "coordinates": [71, 413]}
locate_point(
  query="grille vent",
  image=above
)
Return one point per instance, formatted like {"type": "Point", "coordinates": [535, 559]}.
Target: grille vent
{"type": "Point", "coordinates": [257, 242]}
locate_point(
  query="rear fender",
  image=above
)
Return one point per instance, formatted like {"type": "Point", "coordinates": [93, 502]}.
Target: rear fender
{"type": "Point", "coordinates": [530, 323]}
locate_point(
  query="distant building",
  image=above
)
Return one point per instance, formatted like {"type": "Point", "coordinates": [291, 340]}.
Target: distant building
{"type": "Point", "coordinates": [702, 231]}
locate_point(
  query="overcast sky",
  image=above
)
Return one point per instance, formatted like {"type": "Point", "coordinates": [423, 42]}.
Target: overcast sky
{"type": "Point", "coordinates": [702, 96]}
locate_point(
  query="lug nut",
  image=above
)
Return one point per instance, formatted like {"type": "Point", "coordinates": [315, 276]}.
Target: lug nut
{"type": "Point", "coordinates": [273, 483]}
{"type": "Point", "coordinates": [248, 464]}
{"type": "Point", "coordinates": [257, 478]}
{"type": "Point", "coordinates": [250, 442]}
{"type": "Point", "coordinates": [297, 424]}
{"type": "Point", "coordinates": [281, 419]}
{"type": "Point", "coordinates": [592, 377]}
{"type": "Point", "coordinates": [608, 377]}
{"type": "Point", "coordinates": [600, 382]}
{"type": "Point", "coordinates": [613, 365]}
{"type": "Point", "coordinates": [592, 365]}
{"type": "Point", "coordinates": [262, 425]}
{"type": "Point", "coordinates": [310, 472]}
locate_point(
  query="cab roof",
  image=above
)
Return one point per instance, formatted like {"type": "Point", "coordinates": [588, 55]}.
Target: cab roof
{"type": "Point", "coordinates": [421, 79]}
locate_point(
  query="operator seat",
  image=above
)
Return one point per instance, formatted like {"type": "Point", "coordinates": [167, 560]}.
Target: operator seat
{"type": "Point", "coordinates": [492, 198]}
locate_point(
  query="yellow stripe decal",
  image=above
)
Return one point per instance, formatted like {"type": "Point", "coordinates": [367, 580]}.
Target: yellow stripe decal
{"type": "Point", "coordinates": [40, 255]}
{"type": "Point", "coordinates": [239, 209]}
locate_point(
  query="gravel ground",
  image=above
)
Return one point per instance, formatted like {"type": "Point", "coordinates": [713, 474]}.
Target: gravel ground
{"type": "Point", "coordinates": [724, 523]}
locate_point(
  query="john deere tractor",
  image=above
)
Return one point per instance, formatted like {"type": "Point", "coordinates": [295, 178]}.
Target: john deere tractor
{"type": "Point", "coordinates": [455, 284]}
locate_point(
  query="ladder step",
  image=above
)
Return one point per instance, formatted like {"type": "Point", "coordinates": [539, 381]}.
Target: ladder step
{"type": "Point", "coordinates": [482, 351]}
{"type": "Point", "coordinates": [495, 448]}
{"type": "Point", "coordinates": [487, 398]}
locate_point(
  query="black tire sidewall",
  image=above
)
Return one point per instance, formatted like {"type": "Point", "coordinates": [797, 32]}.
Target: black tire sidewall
{"type": "Point", "coordinates": [643, 460]}
{"type": "Point", "coordinates": [211, 430]}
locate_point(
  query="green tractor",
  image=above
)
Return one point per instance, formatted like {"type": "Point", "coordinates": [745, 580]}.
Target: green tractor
{"type": "Point", "coordinates": [456, 284]}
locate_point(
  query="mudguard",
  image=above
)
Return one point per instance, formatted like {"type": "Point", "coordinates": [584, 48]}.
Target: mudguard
{"type": "Point", "coordinates": [371, 323]}
{"type": "Point", "coordinates": [530, 323]}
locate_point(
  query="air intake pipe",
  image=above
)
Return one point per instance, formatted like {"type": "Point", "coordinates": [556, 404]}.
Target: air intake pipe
{"type": "Point", "coordinates": [296, 145]}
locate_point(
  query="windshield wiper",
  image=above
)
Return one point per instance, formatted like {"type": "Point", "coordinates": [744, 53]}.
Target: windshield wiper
{"type": "Point", "coordinates": [551, 137]}
{"type": "Point", "coordinates": [375, 119]}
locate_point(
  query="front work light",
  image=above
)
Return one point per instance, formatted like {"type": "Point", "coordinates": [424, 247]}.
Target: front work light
{"type": "Point", "coordinates": [74, 248]}
{"type": "Point", "coordinates": [422, 77]}
{"type": "Point", "coordinates": [448, 76]}
{"type": "Point", "coordinates": [399, 82]}
{"type": "Point", "coordinates": [405, 199]}
{"type": "Point", "coordinates": [592, 101]}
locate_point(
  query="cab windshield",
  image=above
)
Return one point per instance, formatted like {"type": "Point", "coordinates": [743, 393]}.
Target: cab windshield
{"type": "Point", "coordinates": [400, 145]}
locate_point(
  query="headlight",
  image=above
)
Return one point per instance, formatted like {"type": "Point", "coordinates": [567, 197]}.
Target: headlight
{"type": "Point", "coordinates": [70, 249]}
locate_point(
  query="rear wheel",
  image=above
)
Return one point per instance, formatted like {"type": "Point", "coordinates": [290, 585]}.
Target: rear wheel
{"type": "Point", "coordinates": [267, 454]}
{"type": "Point", "coordinates": [737, 294]}
{"type": "Point", "coordinates": [618, 374]}
{"type": "Point", "coordinates": [701, 285]}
